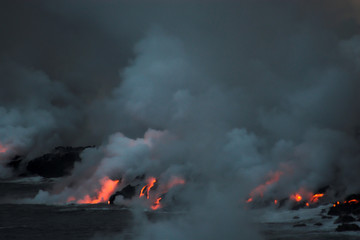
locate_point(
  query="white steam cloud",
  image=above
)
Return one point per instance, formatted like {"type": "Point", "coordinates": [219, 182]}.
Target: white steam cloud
{"type": "Point", "coordinates": [266, 86]}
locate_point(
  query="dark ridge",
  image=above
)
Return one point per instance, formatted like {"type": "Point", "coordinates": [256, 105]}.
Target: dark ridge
{"type": "Point", "coordinates": [15, 162]}
{"type": "Point", "coordinates": [347, 207]}
{"type": "Point", "coordinates": [347, 227]}
{"type": "Point", "coordinates": [345, 219]}
{"type": "Point", "coordinates": [58, 163]}
{"type": "Point", "coordinates": [127, 192]}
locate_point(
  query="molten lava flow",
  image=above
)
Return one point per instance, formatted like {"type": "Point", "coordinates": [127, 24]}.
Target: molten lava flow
{"type": "Point", "coordinates": [259, 190]}
{"type": "Point", "coordinates": [151, 181]}
{"type": "Point", "coordinates": [316, 197]}
{"type": "Point", "coordinates": [296, 197]}
{"type": "Point", "coordinates": [107, 188]}
{"type": "Point", "coordinates": [3, 149]}
{"type": "Point", "coordinates": [156, 204]}
{"type": "Point", "coordinates": [353, 201]}
{"type": "Point", "coordinates": [160, 191]}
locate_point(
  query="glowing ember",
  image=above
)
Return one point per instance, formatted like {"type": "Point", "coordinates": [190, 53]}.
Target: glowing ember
{"type": "Point", "coordinates": [275, 202]}
{"type": "Point", "coordinates": [156, 204]}
{"type": "Point", "coordinates": [151, 181]}
{"type": "Point", "coordinates": [107, 188]}
{"type": "Point", "coordinates": [316, 197]}
{"type": "Point", "coordinates": [307, 204]}
{"type": "Point", "coordinates": [296, 197]}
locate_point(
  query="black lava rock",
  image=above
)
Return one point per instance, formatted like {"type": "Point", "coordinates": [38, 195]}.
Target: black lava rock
{"type": "Point", "coordinates": [58, 163]}
{"type": "Point", "coordinates": [299, 225]}
{"type": "Point", "coordinates": [15, 162]}
{"type": "Point", "coordinates": [347, 227]}
{"type": "Point", "coordinates": [347, 207]}
{"type": "Point", "coordinates": [127, 192]}
{"type": "Point", "coordinates": [344, 219]}
{"type": "Point", "coordinates": [318, 224]}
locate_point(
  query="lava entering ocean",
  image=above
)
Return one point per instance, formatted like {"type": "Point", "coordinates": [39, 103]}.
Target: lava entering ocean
{"type": "Point", "coordinates": [146, 189]}
{"type": "Point", "coordinates": [301, 196]}
{"type": "Point", "coordinates": [161, 190]}
{"type": "Point", "coordinates": [260, 190]}
{"type": "Point", "coordinates": [108, 186]}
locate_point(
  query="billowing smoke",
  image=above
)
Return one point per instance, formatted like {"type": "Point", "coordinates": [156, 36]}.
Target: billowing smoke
{"type": "Point", "coordinates": [221, 94]}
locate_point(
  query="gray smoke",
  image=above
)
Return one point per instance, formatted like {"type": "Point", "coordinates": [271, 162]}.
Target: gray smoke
{"type": "Point", "coordinates": [235, 90]}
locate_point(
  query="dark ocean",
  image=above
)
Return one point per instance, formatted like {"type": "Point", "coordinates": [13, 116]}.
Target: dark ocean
{"type": "Point", "coordinates": [73, 221]}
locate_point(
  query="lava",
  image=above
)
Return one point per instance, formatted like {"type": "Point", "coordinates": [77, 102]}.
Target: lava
{"type": "Point", "coordinates": [315, 197]}
{"type": "Point", "coordinates": [160, 191]}
{"type": "Point", "coordinates": [150, 183]}
{"type": "Point", "coordinates": [296, 197]}
{"type": "Point", "coordinates": [259, 190]}
{"type": "Point", "coordinates": [108, 186]}
{"type": "Point", "coordinates": [156, 204]}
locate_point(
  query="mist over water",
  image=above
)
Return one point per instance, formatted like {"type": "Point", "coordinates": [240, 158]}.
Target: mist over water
{"type": "Point", "coordinates": [220, 94]}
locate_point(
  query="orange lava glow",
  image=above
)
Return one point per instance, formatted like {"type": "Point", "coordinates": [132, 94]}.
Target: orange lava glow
{"type": "Point", "coordinates": [296, 197]}
{"type": "Point", "coordinates": [160, 190]}
{"type": "Point", "coordinates": [150, 183]}
{"type": "Point", "coordinates": [3, 149]}
{"type": "Point", "coordinates": [307, 204]}
{"type": "Point", "coordinates": [156, 204]}
{"type": "Point", "coordinates": [353, 201]}
{"type": "Point", "coordinates": [259, 190]}
{"type": "Point", "coordinates": [275, 202]}
{"type": "Point", "coordinates": [249, 200]}
{"type": "Point", "coordinates": [108, 186]}
{"type": "Point", "coordinates": [316, 197]}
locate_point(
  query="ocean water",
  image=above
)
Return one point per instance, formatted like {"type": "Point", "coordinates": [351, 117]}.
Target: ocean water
{"type": "Point", "coordinates": [74, 221]}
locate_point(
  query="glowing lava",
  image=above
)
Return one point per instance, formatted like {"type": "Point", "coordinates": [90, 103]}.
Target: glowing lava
{"type": "Point", "coordinates": [151, 181]}
{"type": "Point", "coordinates": [156, 204]}
{"type": "Point", "coordinates": [161, 189]}
{"type": "Point", "coordinates": [296, 197]}
{"type": "Point", "coordinates": [259, 190]}
{"type": "Point", "coordinates": [316, 197]}
{"type": "Point", "coordinates": [108, 186]}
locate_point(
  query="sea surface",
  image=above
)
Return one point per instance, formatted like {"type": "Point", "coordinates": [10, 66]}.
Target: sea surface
{"type": "Point", "coordinates": [74, 221]}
